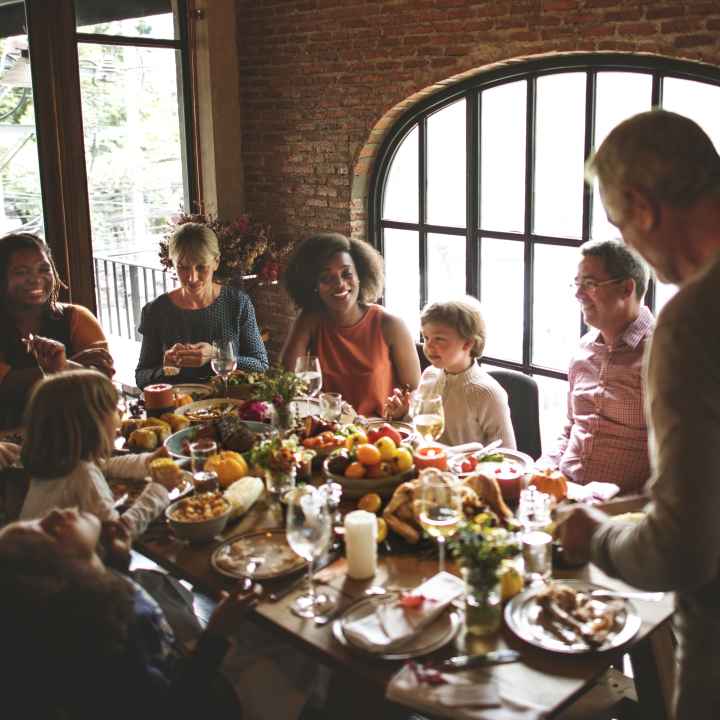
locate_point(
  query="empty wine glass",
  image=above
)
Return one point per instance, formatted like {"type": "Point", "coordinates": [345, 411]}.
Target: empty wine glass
{"type": "Point", "coordinates": [307, 368]}
{"type": "Point", "coordinates": [309, 530]}
{"type": "Point", "coordinates": [223, 360]}
{"type": "Point", "coordinates": [428, 417]}
{"type": "Point", "coordinates": [439, 507]}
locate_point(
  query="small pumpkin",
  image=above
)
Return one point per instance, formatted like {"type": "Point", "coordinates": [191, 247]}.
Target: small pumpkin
{"type": "Point", "coordinates": [552, 482]}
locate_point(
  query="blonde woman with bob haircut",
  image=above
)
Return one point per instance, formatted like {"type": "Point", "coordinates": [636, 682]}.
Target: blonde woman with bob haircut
{"type": "Point", "coordinates": [475, 405]}
{"type": "Point", "coordinates": [71, 422]}
{"type": "Point", "coordinates": [180, 326]}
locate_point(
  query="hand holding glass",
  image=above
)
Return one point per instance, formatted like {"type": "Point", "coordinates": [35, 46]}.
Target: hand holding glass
{"type": "Point", "coordinates": [309, 529]}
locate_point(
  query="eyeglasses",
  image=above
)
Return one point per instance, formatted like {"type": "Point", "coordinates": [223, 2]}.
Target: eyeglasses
{"type": "Point", "coordinates": [590, 286]}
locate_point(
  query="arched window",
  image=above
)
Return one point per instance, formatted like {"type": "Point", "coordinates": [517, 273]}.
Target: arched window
{"type": "Point", "coordinates": [480, 189]}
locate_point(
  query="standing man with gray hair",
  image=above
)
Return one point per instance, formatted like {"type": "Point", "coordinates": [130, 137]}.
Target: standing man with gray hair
{"type": "Point", "coordinates": [659, 177]}
{"type": "Point", "coordinates": [605, 436]}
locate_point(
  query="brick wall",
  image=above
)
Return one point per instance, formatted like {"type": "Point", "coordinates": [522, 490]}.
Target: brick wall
{"type": "Point", "coordinates": [322, 80]}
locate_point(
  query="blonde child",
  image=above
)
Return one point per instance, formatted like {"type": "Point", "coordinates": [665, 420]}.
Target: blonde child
{"type": "Point", "coordinates": [71, 423]}
{"type": "Point", "coordinates": [475, 405]}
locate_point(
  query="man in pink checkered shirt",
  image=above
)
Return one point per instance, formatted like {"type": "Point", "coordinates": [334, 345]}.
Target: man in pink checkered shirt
{"type": "Point", "coordinates": [605, 437]}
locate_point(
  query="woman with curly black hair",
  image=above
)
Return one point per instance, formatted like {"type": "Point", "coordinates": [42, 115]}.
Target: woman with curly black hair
{"type": "Point", "coordinates": [364, 350]}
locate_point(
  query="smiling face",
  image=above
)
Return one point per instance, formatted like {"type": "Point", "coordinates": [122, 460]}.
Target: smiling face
{"type": "Point", "coordinates": [338, 284]}
{"type": "Point", "coordinates": [29, 279]}
{"type": "Point", "coordinates": [445, 348]}
{"type": "Point", "coordinates": [605, 306]}
{"type": "Point", "coordinates": [196, 274]}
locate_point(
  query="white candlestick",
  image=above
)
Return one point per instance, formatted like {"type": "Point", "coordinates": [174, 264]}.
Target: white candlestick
{"type": "Point", "coordinates": [361, 544]}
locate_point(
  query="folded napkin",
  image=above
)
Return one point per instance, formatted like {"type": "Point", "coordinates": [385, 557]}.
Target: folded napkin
{"type": "Point", "coordinates": [593, 491]}
{"type": "Point", "coordinates": [393, 624]}
{"type": "Point", "coordinates": [470, 695]}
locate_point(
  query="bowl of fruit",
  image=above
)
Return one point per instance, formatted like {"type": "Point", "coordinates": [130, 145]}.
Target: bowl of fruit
{"type": "Point", "coordinates": [362, 467]}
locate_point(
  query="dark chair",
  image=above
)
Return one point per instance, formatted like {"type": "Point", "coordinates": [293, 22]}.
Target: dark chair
{"type": "Point", "coordinates": [522, 393]}
{"type": "Point", "coordinates": [424, 362]}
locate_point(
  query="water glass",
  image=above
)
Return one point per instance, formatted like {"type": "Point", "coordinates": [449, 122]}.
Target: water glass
{"type": "Point", "coordinates": [534, 516]}
{"type": "Point", "coordinates": [205, 481]}
{"type": "Point", "coordinates": [307, 367]}
{"type": "Point", "coordinates": [330, 406]}
{"type": "Point", "coordinates": [223, 360]}
{"type": "Point", "coordinates": [200, 451]}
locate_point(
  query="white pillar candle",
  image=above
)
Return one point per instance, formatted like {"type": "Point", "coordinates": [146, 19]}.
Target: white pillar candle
{"type": "Point", "coordinates": [361, 544]}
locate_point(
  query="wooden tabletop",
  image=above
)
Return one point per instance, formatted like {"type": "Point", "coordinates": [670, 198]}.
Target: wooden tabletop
{"type": "Point", "coordinates": [551, 680]}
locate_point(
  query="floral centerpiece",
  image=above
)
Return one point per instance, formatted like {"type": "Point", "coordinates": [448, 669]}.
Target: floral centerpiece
{"type": "Point", "coordinates": [480, 550]}
{"type": "Point", "coordinates": [246, 246]}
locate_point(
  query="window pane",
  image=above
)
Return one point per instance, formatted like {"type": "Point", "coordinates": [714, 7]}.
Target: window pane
{"type": "Point", "coordinates": [401, 189]}
{"type": "Point", "coordinates": [502, 271]}
{"type": "Point", "coordinates": [619, 96]}
{"type": "Point", "coordinates": [663, 293]}
{"type": "Point", "coordinates": [154, 19]}
{"type": "Point", "coordinates": [556, 313]}
{"type": "Point", "coordinates": [553, 409]}
{"type": "Point", "coordinates": [697, 100]}
{"type": "Point", "coordinates": [135, 170]}
{"type": "Point", "coordinates": [559, 137]}
{"type": "Point", "coordinates": [446, 170]}
{"type": "Point", "coordinates": [446, 266]}
{"type": "Point", "coordinates": [402, 276]}
{"type": "Point", "coordinates": [20, 197]}
{"type": "Point", "coordinates": [502, 157]}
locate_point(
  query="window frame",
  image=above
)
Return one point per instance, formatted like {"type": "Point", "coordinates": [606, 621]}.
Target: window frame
{"type": "Point", "coordinates": [471, 89]}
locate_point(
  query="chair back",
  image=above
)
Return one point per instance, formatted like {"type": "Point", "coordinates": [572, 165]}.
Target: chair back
{"type": "Point", "coordinates": [424, 362]}
{"type": "Point", "coordinates": [522, 391]}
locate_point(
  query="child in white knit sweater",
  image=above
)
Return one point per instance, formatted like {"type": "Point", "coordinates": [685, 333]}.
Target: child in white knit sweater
{"type": "Point", "coordinates": [475, 405]}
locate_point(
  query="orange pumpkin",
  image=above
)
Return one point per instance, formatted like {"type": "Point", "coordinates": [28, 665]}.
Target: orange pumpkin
{"type": "Point", "coordinates": [552, 482]}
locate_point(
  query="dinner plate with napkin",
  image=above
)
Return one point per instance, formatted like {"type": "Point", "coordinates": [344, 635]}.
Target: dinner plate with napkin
{"type": "Point", "coordinates": [395, 621]}
{"type": "Point", "coordinates": [470, 695]}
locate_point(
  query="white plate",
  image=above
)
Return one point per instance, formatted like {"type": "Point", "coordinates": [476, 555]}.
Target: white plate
{"type": "Point", "coordinates": [524, 463]}
{"type": "Point", "coordinates": [195, 389]}
{"type": "Point", "coordinates": [263, 555]}
{"type": "Point", "coordinates": [521, 616]}
{"type": "Point", "coordinates": [434, 636]}
{"type": "Point", "coordinates": [224, 403]}
{"type": "Point", "coordinates": [303, 407]}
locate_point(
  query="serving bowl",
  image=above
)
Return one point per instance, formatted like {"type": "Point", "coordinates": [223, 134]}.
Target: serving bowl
{"type": "Point", "coordinates": [201, 530]}
{"type": "Point", "coordinates": [174, 443]}
{"type": "Point", "coordinates": [357, 487]}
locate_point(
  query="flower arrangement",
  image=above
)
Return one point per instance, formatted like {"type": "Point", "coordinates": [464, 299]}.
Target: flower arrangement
{"type": "Point", "coordinates": [246, 246]}
{"type": "Point", "coordinates": [276, 454]}
{"type": "Point", "coordinates": [480, 550]}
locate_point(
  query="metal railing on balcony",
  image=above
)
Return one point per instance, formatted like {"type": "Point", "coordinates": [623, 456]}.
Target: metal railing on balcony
{"type": "Point", "coordinates": [121, 291]}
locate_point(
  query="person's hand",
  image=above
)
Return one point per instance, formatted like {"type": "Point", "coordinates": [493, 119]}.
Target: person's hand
{"type": "Point", "coordinates": [49, 353]}
{"type": "Point", "coordinates": [97, 358]}
{"type": "Point", "coordinates": [171, 356]}
{"type": "Point", "coordinates": [575, 531]}
{"type": "Point", "coordinates": [161, 452]}
{"type": "Point", "coordinates": [115, 541]}
{"type": "Point", "coordinates": [232, 608]}
{"type": "Point", "coordinates": [9, 454]}
{"type": "Point", "coordinates": [196, 354]}
{"type": "Point", "coordinates": [397, 405]}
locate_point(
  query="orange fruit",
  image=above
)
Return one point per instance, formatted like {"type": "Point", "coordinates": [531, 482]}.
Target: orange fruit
{"type": "Point", "coordinates": [368, 454]}
{"type": "Point", "coordinates": [370, 502]}
{"type": "Point", "coordinates": [355, 470]}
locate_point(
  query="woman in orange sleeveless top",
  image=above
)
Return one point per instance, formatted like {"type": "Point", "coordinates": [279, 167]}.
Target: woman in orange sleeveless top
{"type": "Point", "coordinates": [364, 350]}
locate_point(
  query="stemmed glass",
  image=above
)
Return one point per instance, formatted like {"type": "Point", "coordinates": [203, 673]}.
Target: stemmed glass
{"type": "Point", "coordinates": [439, 507]}
{"type": "Point", "coordinates": [223, 360]}
{"type": "Point", "coordinates": [428, 417]}
{"type": "Point", "coordinates": [309, 529]}
{"type": "Point", "coordinates": [307, 368]}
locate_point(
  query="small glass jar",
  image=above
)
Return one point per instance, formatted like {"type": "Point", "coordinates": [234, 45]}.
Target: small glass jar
{"type": "Point", "coordinates": [280, 482]}
{"type": "Point", "coordinates": [483, 607]}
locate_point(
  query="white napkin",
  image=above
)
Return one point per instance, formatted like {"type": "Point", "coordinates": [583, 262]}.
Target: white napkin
{"type": "Point", "coordinates": [392, 625]}
{"type": "Point", "coordinates": [598, 491]}
{"type": "Point", "coordinates": [470, 695]}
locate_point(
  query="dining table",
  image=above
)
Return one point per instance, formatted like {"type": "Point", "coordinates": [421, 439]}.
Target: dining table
{"type": "Point", "coordinates": [550, 681]}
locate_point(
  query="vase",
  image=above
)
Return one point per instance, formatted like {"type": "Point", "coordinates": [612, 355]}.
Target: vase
{"type": "Point", "coordinates": [483, 608]}
{"type": "Point", "coordinates": [283, 419]}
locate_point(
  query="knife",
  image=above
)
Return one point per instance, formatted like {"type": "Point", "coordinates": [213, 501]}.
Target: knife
{"type": "Point", "coordinates": [464, 662]}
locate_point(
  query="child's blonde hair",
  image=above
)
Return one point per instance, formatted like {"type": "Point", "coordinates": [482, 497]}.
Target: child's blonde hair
{"type": "Point", "coordinates": [464, 316]}
{"type": "Point", "coordinates": [65, 421]}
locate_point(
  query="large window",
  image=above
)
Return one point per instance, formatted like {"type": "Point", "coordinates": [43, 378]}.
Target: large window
{"type": "Point", "coordinates": [480, 190]}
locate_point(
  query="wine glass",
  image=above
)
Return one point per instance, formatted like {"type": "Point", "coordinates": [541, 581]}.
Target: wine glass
{"type": "Point", "coordinates": [307, 368]}
{"type": "Point", "coordinates": [428, 417]}
{"type": "Point", "coordinates": [309, 530]}
{"type": "Point", "coordinates": [439, 507]}
{"type": "Point", "coordinates": [223, 360]}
